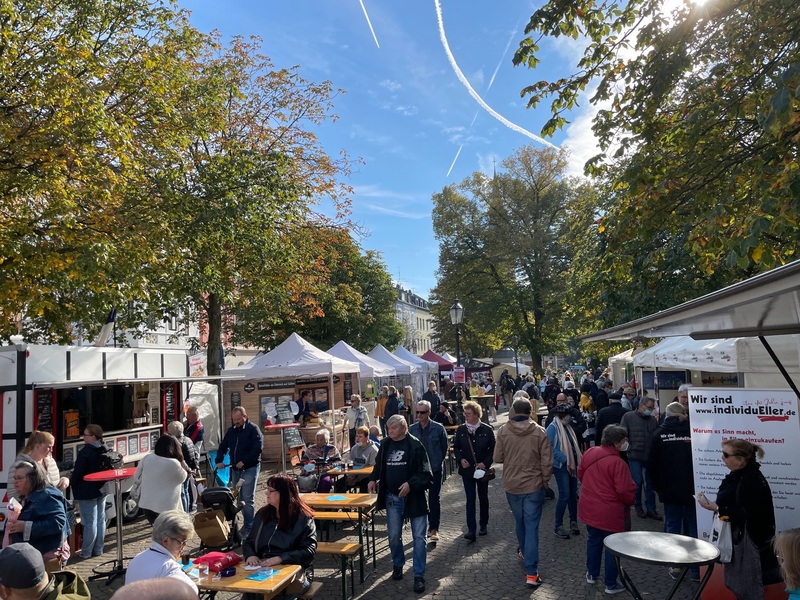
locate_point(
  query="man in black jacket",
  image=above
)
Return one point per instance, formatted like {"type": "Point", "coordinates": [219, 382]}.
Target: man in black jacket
{"type": "Point", "coordinates": [610, 415]}
{"type": "Point", "coordinates": [244, 441]}
{"type": "Point", "coordinates": [402, 477]}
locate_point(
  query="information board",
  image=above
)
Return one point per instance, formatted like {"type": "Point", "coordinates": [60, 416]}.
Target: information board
{"type": "Point", "coordinates": [291, 434]}
{"type": "Point", "coordinates": [44, 410]}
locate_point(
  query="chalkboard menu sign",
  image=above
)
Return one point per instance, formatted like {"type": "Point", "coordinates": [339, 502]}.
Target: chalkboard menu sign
{"type": "Point", "coordinates": [44, 410]}
{"type": "Point", "coordinates": [291, 434]}
{"type": "Point", "coordinates": [348, 391]}
{"type": "Point", "coordinates": [154, 435]}
{"type": "Point", "coordinates": [169, 403]}
{"type": "Point", "coordinates": [236, 400]}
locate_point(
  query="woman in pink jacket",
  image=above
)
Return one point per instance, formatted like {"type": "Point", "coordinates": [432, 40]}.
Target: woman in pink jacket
{"type": "Point", "coordinates": [607, 493]}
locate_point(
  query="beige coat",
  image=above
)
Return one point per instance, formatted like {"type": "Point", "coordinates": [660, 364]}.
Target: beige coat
{"type": "Point", "coordinates": [527, 456]}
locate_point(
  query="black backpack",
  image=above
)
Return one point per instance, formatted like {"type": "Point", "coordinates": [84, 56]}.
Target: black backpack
{"type": "Point", "coordinates": [110, 459]}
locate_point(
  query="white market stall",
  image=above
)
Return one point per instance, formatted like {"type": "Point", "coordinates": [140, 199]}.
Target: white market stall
{"type": "Point", "coordinates": [407, 372]}
{"type": "Point", "coordinates": [430, 370]}
{"type": "Point", "coordinates": [274, 379]}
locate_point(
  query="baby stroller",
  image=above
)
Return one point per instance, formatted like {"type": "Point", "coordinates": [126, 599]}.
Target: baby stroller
{"type": "Point", "coordinates": [227, 502]}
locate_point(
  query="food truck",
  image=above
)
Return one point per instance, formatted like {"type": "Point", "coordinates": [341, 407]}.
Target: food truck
{"type": "Point", "coordinates": [132, 393]}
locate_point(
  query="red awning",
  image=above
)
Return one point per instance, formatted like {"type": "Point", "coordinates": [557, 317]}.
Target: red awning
{"type": "Point", "coordinates": [444, 364]}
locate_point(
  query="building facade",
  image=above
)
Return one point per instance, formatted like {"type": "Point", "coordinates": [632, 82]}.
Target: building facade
{"type": "Point", "coordinates": [414, 315]}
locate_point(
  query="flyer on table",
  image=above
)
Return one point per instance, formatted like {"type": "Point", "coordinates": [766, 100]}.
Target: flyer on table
{"type": "Point", "coordinates": [764, 417]}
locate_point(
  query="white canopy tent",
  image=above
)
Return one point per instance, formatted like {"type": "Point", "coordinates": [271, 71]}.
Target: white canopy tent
{"type": "Point", "coordinates": [408, 373]}
{"type": "Point", "coordinates": [370, 367]}
{"type": "Point", "coordinates": [449, 357]}
{"type": "Point", "coordinates": [617, 365]}
{"type": "Point", "coordinates": [430, 371]}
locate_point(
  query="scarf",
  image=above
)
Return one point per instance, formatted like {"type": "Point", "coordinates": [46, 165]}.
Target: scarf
{"type": "Point", "coordinates": [569, 446]}
{"type": "Point", "coordinates": [472, 428]}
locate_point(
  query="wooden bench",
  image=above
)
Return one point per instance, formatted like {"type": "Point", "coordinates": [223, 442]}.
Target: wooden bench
{"type": "Point", "coordinates": [314, 588]}
{"type": "Point", "coordinates": [346, 551]}
{"type": "Point", "coordinates": [334, 516]}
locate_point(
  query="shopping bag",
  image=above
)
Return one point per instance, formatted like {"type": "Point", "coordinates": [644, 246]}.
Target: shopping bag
{"type": "Point", "coordinates": [722, 538]}
{"type": "Point", "coordinates": [211, 527]}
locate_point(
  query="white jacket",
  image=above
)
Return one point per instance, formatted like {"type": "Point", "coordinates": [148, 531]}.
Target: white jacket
{"type": "Point", "coordinates": [160, 480]}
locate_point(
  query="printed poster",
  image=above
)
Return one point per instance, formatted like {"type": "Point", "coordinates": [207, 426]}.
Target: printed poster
{"type": "Point", "coordinates": [764, 417]}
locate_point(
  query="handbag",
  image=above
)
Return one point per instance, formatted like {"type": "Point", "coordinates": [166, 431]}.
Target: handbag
{"type": "Point", "coordinates": [722, 538]}
{"type": "Point", "coordinates": [488, 474]}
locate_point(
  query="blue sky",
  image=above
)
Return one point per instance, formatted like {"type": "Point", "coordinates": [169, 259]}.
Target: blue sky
{"type": "Point", "coordinates": [406, 113]}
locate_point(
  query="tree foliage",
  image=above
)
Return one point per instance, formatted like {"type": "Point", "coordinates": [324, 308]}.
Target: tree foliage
{"type": "Point", "coordinates": [505, 248]}
{"type": "Point", "coordinates": [699, 129]}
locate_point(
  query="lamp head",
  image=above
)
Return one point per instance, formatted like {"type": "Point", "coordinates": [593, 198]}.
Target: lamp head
{"type": "Point", "coordinates": [456, 312]}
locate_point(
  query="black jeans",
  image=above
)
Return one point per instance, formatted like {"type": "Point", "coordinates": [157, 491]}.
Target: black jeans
{"type": "Point", "coordinates": [473, 487]}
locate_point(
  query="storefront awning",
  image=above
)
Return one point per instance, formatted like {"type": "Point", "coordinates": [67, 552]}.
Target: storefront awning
{"type": "Point", "coordinates": [58, 385]}
{"type": "Point", "coordinates": [764, 305]}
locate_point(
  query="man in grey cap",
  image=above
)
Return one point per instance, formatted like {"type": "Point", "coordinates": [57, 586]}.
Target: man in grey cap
{"type": "Point", "coordinates": [23, 577]}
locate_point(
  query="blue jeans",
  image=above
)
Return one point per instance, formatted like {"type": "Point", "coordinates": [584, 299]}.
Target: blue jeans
{"type": "Point", "coordinates": [527, 511]}
{"type": "Point", "coordinates": [594, 554]}
{"type": "Point", "coordinates": [247, 494]}
{"type": "Point", "coordinates": [641, 477]}
{"type": "Point", "coordinates": [682, 519]}
{"type": "Point", "coordinates": [474, 488]}
{"type": "Point", "coordinates": [93, 519]}
{"type": "Point", "coordinates": [435, 513]}
{"type": "Point", "coordinates": [567, 495]}
{"type": "Point", "coordinates": [395, 506]}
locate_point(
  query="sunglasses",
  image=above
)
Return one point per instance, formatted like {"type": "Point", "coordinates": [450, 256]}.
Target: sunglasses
{"type": "Point", "coordinates": [422, 412]}
{"type": "Point", "coordinates": [726, 455]}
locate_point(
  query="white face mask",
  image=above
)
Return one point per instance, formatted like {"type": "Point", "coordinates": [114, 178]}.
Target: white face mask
{"type": "Point", "coordinates": [624, 447]}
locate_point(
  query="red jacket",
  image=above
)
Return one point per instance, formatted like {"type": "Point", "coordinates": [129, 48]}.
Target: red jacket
{"type": "Point", "coordinates": [607, 489]}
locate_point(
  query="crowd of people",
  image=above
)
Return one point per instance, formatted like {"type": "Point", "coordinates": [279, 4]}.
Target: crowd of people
{"type": "Point", "coordinates": [608, 450]}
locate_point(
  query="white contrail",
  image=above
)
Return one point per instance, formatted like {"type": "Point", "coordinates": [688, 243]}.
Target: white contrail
{"type": "Point", "coordinates": [453, 164]}
{"type": "Point", "coordinates": [374, 37]}
{"type": "Point", "coordinates": [502, 58]}
{"type": "Point", "coordinates": [472, 92]}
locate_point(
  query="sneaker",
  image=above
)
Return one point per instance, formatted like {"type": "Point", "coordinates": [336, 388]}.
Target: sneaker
{"type": "Point", "coordinates": [590, 580]}
{"type": "Point", "coordinates": [640, 513]}
{"type": "Point", "coordinates": [533, 580]}
{"type": "Point", "coordinates": [470, 536]}
{"type": "Point", "coordinates": [419, 585]}
{"type": "Point", "coordinates": [561, 533]}
{"type": "Point", "coordinates": [573, 528]}
{"type": "Point", "coordinates": [614, 589]}
{"type": "Point", "coordinates": [651, 514]}
{"type": "Point", "coordinates": [482, 531]}
{"type": "Point", "coordinates": [674, 572]}
{"type": "Point", "coordinates": [433, 536]}
{"type": "Point", "coordinates": [397, 573]}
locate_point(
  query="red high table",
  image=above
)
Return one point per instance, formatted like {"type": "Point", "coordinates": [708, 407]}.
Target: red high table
{"type": "Point", "coordinates": [115, 475]}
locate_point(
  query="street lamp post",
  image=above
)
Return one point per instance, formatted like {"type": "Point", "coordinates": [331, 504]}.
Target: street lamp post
{"type": "Point", "coordinates": [515, 340]}
{"type": "Point", "coordinates": [456, 316]}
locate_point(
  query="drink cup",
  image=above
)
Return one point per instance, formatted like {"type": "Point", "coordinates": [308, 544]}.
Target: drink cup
{"type": "Point", "coordinates": [202, 570]}
{"type": "Point", "coordinates": [185, 558]}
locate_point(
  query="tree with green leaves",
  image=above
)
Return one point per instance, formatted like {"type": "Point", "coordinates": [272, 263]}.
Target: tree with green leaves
{"type": "Point", "coordinates": [699, 124]}
{"type": "Point", "coordinates": [505, 251]}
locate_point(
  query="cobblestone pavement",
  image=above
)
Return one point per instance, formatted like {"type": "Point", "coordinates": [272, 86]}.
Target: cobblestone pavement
{"type": "Point", "coordinates": [456, 569]}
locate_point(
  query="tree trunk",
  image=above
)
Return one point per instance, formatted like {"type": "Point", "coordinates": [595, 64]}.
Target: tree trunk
{"type": "Point", "coordinates": [214, 333]}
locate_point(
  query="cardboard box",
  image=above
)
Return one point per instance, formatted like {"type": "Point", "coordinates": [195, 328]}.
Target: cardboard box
{"type": "Point", "coordinates": [212, 528]}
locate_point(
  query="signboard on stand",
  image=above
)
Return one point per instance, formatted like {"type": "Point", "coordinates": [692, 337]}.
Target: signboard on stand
{"type": "Point", "coordinates": [459, 375]}
{"type": "Point", "coordinates": [765, 417]}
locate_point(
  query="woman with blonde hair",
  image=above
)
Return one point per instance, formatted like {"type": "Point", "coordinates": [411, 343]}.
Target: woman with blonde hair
{"type": "Point", "coordinates": [380, 408]}
{"type": "Point", "coordinates": [39, 450]}
{"type": "Point", "coordinates": [787, 549]}
{"type": "Point", "coordinates": [744, 497]}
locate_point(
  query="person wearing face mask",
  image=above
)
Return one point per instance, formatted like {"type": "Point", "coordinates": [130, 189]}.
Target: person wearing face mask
{"type": "Point", "coordinates": [641, 425]}
{"type": "Point", "coordinates": [566, 458]}
{"type": "Point", "coordinates": [607, 493]}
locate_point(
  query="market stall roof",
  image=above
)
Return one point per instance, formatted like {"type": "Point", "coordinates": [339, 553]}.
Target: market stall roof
{"type": "Point", "coordinates": [126, 381]}
{"type": "Point", "coordinates": [450, 357]}
{"type": "Point", "coordinates": [370, 367]}
{"type": "Point", "coordinates": [765, 305]}
{"type": "Point", "coordinates": [295, 357]}
{"type": "Point", "coordinates": [682, 352]}
{"type": "Point", "coordinates": [403, 367]}
{"type": "Point", "coordinates": [430, 367]}
{"type": "Point", "coordinates": [622, 357]}
{"type": "Point", "coordinates": [443, 363]}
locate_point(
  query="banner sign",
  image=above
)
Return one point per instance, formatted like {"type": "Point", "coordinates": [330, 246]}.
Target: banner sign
{"type": "Point", "coordinates": [764, 417]}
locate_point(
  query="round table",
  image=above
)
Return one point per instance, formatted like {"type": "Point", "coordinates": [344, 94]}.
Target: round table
{"type": "Point", "coordinates": [115, 475]}
{"type": "Point", "coordinates": [663, 549]}
{"type": "Point", "coordinates": [282, 427]}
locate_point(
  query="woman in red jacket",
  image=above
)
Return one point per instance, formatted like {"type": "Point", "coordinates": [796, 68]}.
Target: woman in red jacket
{"type": "Point", "coordinates": [607, 493]}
